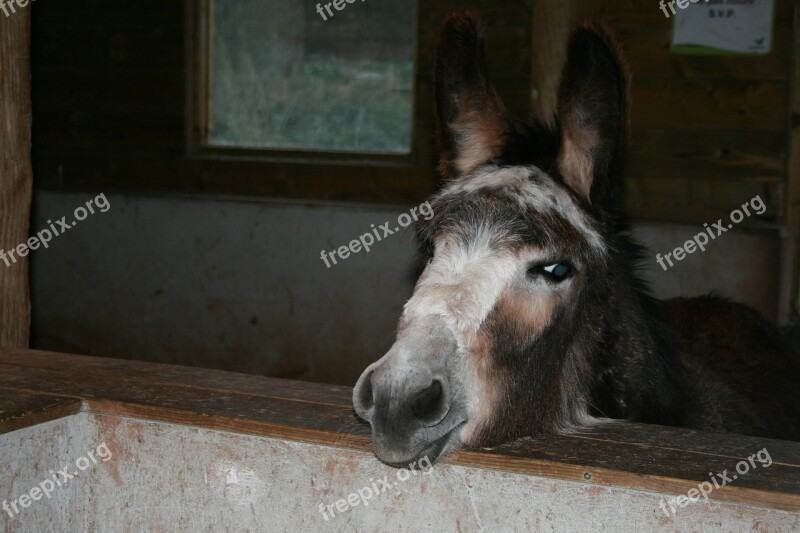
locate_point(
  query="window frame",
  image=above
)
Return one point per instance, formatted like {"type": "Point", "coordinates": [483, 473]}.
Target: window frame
{"type": "Point", "coordinates": [324, 168]}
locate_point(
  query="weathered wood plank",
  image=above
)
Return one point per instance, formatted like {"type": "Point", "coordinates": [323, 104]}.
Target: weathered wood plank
{"type": "Point", "coordinates": [646, 475]}
{"type": "Point", "coordinates": [648, 53]}
{"type": "Point", "coordinates": [21, 409]}
{"type": "Point", "coordinates": [710, 104]}
{"type": "Point", "coordinates": [673, 471]}
{"type": "Point", "coordinates": [677, 199]}
{"type": "Point", "coordinates": [318, 179]}
{"type": "Point", "coordinates": [52, 367]}
{"type": "Point", "coordinates": [106, 48]}
{"type": "Point", "coordinates": [700, 442]}
{"type": "Point", "coordinates": [16, 175]}
{"type": "Point", "coordinates": [791, 282]}
{"type": "Point", "coordinates": [552, 24]}
{"type": "Point", "coordinates": [616, 454]}
{"type": "Point", "coordinates": [637, 14]}
{"type": "Point", "coordinates": [707, 155]}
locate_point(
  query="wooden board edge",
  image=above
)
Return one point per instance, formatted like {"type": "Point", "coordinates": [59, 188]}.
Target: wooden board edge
{"type": "Point", "coordinates": [483, 459]}
{"type": "Point", "coordinates": [60, 409]}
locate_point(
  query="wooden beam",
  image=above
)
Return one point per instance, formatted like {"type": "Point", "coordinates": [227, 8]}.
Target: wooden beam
{"type": "Point", "coordinates": [620, 454]}
{"type": "Point", "coordinates": [22, 409]}
{"type": "Point", "coordinates": [552, 24]}
{"type": "Point", "coordinates": [16, 175]}
{"type": "Point", "coordinates": [790, 282]}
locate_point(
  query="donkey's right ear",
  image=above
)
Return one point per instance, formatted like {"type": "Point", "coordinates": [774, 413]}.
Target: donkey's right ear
{"type": "Point", "coordinates": [472, 121]}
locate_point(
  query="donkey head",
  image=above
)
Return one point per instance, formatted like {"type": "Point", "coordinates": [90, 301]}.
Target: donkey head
{"type": "Point", "coordinates": [496, 341]}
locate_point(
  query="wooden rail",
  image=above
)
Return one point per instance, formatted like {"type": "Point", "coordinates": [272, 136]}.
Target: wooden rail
{"type": "Point", "coordinates": [39, 386]}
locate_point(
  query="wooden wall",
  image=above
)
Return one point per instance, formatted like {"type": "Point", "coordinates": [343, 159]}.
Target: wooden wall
{"type": "Point", "coordinates": [108, 87]}
{"type": "Point", "coordinates": [111, 107]}
{"type": "Point", "coordinates": [708, 132]}
{"type": "Point", "coordinates": [792, 257]}
{"type": "Point", "coordinates": [112, 104]}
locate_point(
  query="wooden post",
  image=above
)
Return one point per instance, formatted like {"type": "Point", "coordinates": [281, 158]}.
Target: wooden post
{"type": "Point", "coordinates": [552, 24]}
{"type": "Point", "coordinates": [790, 294]}
{"type": "Point", "coordinates": [16, 174]}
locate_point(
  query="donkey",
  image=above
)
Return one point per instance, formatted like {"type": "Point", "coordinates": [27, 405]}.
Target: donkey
{"type": "Point", "coordinates": [529, 317]}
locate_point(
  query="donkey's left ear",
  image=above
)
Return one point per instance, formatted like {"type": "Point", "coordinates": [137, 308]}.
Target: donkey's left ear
{"type": "Point", "coordinates": [593, 111]}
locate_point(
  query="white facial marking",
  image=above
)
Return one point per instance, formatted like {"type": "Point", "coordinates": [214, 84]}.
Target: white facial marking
{"type": "Point", "coordinates": [462, 285]}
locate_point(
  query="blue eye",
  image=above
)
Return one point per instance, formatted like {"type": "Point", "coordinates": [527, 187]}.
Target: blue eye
{"type": "Point", "coordinates": [558, 270]}
{"type": "Point", "coordinates": [555, 272]}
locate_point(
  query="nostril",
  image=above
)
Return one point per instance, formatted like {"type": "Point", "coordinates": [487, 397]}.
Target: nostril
{"type": "Point", "coordinates": [366, 398]}
{"type": "Point", "coordinates": [428, 403]}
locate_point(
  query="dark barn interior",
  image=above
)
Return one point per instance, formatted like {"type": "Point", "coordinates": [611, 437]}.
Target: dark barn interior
{"type": "Point", "coordinates": [195, 249]}
{"type": "Point", "coordinates": [227, 143]}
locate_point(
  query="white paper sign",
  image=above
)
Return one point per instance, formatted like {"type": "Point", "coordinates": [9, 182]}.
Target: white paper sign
{"type": "Point", "coordinates": [732, 26]}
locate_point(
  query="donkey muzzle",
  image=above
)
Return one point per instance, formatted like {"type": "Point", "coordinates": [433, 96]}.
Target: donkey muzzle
{"type": "Point", "coordinates": [406, 395]}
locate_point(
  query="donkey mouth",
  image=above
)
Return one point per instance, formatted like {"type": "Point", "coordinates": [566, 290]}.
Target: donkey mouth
{"type": "Point", "coordinates": [430, 452]}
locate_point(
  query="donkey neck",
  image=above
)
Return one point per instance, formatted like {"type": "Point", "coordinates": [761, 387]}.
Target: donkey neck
{"type": "Point", "coordinates": [635, 372]}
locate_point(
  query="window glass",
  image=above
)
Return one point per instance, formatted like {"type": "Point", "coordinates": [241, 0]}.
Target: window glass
{"type": "Point", "coordinates": [292, 74]}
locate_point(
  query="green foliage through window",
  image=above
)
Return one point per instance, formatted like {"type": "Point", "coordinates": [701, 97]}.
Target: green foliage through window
{"type": "Point", "coordinates": [281, 77]}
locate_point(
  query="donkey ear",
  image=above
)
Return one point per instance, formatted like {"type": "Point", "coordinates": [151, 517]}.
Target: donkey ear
{"type": "Point", "coordinates": [472, 121]}
{"type": "Point", "coordinates": [593, 112]}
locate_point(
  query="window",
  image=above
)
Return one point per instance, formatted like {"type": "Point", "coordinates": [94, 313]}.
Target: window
{"type": "Point", "coordinates": [298, 75]}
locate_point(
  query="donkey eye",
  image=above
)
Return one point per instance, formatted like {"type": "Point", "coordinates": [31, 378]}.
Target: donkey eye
{"type": "Point", "coordinates": [558, 270]}
{"type": "Point", "coordinates": [555, 272]}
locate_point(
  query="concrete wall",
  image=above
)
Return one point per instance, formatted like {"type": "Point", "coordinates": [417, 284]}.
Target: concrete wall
{"type": "Point", "coordinates": [240, 286]}
{"type": "Point", "coordinates": [162, 477]}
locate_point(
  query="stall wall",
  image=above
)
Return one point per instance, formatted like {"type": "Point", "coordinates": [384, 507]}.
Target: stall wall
{"type": "Point", "coordinates": [241, 285]}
